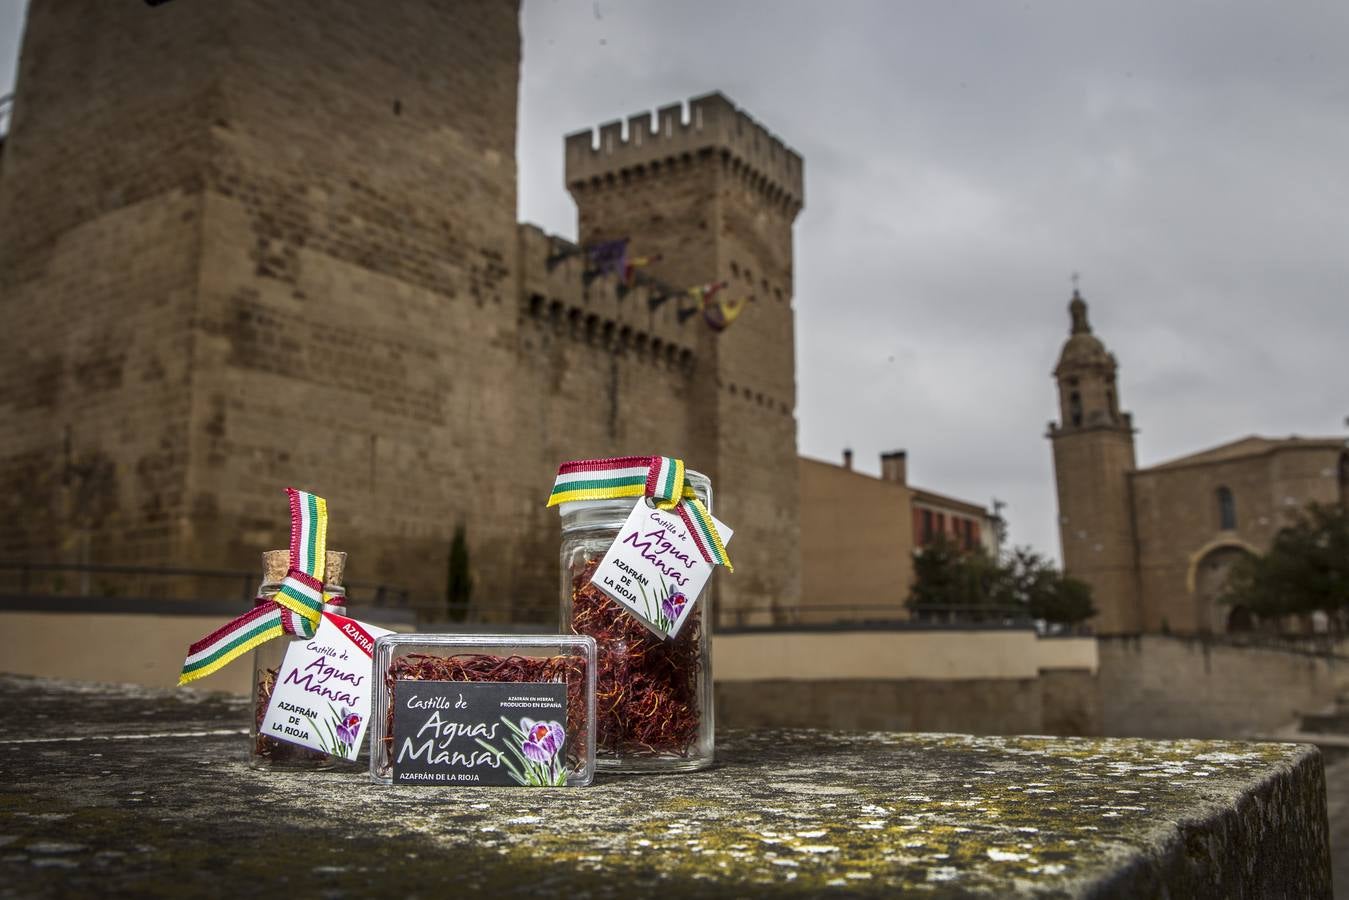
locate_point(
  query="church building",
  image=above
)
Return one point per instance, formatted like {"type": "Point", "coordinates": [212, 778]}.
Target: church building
{"type": "Point", "coordinates": [1156, 544]}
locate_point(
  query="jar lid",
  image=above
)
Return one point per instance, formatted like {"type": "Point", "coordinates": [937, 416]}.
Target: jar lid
{"type": "Point", "coordinates": [276, 563]}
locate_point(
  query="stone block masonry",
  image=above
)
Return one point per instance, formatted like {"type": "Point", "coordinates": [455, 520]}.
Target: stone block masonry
{"type": "Point", "coordinates": [278, 249]}
{"type": "Point", "coordinates": [1195, 686]}
{"type": "Point", "coordinates": [281, 249]}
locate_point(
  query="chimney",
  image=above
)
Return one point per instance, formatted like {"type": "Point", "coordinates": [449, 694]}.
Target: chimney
{"type": "Point", "coordinates": [895, 466]}
{"type": "Point", "coordinates": [847, 460]}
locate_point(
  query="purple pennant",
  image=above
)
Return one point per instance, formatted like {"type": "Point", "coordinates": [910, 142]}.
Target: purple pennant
{"type": "Point", "coordinates": [608, 257]}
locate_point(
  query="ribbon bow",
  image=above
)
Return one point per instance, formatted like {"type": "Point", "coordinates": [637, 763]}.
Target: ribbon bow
{"type": "Point", "coordinates": [295, 609]}
{"type": "Point", "coordinates": [660, 478]}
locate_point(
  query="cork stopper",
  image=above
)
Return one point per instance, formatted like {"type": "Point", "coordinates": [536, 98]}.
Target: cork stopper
{"type": "Point", "coordinates": [275, 564]}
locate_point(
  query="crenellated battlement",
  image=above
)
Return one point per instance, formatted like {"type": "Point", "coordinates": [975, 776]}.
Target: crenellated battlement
{"type": "Point", "coordinates": [676, 137]}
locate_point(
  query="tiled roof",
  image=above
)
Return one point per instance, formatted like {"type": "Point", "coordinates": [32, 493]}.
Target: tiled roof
{"type": "Point", "coordinates": [1253, 445]}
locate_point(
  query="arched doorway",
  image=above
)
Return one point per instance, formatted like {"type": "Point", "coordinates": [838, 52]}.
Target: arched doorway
{"type": "Point", "coordinates": [1210, 583]}
{"type": "Point", "coordinates": [1240, 619]}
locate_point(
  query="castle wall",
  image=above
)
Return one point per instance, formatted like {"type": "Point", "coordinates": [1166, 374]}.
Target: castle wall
{"type": "Point", "coordinates": [323, 285]}
{"type": "Point", "coordinates": [666, 211]}
{"type": "Point", "coordinates": [756, 367]}
{"type": "Point", "coordinates": [357, 311]}
{"type": "Point", "coordinates": [100, 236]}
{"type": "Point", "coordinates": [1176, 511]}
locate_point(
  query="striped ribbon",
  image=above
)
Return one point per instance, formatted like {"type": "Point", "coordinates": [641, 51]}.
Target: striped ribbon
{"type": "Point", "coordinates": [296, 607]}
{"type": "Point", "coordinates": [659, 477]}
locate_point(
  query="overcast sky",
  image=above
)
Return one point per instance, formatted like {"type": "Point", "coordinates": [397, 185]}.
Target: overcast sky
{"type": "Point", "coordinates": [962, 159]}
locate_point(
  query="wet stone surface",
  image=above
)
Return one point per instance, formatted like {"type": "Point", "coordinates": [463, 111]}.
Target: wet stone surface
{"type": "Point", "coordinates": [130, 791]}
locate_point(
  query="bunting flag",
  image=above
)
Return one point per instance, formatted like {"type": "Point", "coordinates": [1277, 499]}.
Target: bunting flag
{"type": "Point", "coordinates": [659, 477]}
{"type": "Point", "coordinates": [704, 292]}
{"type": "Point", "coordinates": [701, 295]}
{"type": "Point", "coordinates": [606, 258]}
{"type": "Point", "coordinates": [638, 262]}
{"type": "Point", "coordinates": [719, 314]}
{"type": "Point", "coordinates": [611, 258]}
{"type": "Point", "coordinates": [630, 273]}
{"type": "Point", "coordinates": [296, 607]}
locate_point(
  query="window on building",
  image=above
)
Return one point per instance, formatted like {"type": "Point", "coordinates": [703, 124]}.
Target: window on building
{"type": "Point", "coordinates": [1227, 509]}
{"type": "Point", "coordinates": [927, 526]}
{"type": "Point", "coordinates": [1075, 407]}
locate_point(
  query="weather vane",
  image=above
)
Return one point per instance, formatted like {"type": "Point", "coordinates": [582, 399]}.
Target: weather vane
{"type": "Point", "coordinates": [1075, 277]}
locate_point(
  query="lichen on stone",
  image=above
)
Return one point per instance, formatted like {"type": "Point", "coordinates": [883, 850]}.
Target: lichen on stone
{"type": "Point", "coordinates": [873, 813]}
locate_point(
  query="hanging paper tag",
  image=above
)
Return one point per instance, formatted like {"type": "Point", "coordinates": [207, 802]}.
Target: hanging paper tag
{"type": "Point", "coordinates": [655, 569]}
{"type": "Point", "coordinates": [323, 688]}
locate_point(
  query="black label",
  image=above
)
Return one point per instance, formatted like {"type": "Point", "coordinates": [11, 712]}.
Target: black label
{"type": "Point", "coordinates": [480, 732]}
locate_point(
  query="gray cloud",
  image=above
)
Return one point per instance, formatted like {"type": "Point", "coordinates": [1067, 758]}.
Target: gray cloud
{"type": "Point", "coordinates": [962, 158]}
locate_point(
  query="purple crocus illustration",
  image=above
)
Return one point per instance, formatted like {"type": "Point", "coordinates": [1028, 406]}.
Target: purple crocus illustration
{"type": "Point", "coordinates": [349, 726]}
{"type": "Point", "coordinates": [673, 605]}
{"type": "Point", "coordinates": [542, 739]}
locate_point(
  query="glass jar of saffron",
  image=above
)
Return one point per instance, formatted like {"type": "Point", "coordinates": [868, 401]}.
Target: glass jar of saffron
{"type": "Point", "coordinates": [268, 752]}
{"type": "Point", "coordinates": [653, 695]}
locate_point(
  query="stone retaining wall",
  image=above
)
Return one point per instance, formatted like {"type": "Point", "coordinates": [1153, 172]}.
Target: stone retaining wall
{"type": "Point", "coordinates": [1168, 686]}
{"type": "Point", "coordinates": [975, 706]}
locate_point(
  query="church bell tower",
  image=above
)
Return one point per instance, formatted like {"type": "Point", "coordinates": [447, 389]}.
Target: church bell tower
{"type": "Point", "coordinates": [1093, 455]}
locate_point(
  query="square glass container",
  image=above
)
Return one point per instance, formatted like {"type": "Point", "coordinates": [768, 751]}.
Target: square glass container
{"type": "Point", "coordinates": [459, 710]}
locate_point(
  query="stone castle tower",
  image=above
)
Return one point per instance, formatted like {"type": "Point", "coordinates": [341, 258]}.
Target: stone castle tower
{"type": "Point", "coordinates": [715, 198]}
{"type": "Point", "coordinates": [1093, 455]}
{"type": "Point", "coordinates": [245, 245]}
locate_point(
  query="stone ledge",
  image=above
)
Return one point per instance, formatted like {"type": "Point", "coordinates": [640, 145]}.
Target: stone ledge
{"type": "Point", "coordinates": [127, 790]}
